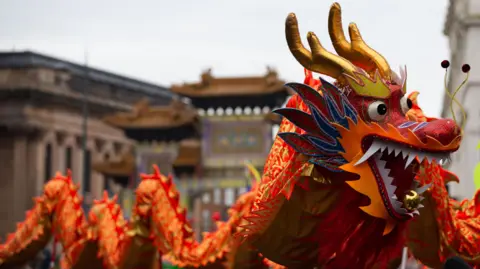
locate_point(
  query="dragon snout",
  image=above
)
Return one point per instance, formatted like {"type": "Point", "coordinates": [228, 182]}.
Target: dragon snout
{"type": "Point", "coordinates": [444, 131]}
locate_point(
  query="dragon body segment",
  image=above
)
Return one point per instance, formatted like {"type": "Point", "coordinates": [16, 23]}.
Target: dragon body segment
{"type": "Point", "coordinates": [158, 227]}
{"type": "Point", "coordinates": [106, 240]}
{"type": "Point", "coordinates": [57, 213]}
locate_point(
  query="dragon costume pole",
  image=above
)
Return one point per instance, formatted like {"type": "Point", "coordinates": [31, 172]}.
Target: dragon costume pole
{"type": "Point", "coordinates": [53, 258]}
{"type": "Point", "coordinates": [404, 258]}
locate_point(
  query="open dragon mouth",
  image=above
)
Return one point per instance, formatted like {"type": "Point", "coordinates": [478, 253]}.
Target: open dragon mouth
{"type": "Point", "coordinates": [395, 166]}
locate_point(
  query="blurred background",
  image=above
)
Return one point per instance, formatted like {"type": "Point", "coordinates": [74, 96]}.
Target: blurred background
{"type": "Point", "coordinates": [107, 88]}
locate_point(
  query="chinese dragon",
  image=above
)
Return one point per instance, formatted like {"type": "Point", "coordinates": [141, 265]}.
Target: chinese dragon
{"type": "Point", "coordinates": [104, 239]}
{"type": "Point", "coordinates": [354, 175]}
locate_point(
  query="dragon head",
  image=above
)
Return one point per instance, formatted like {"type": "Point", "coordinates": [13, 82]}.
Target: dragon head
{"type": "Point", "coordinates": [360, 126]}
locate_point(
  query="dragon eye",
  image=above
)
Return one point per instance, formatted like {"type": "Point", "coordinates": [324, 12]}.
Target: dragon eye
{"type": "Point", "coordinates": [406, 104]}
{"type": "Point", "coordinates": [377, 110]}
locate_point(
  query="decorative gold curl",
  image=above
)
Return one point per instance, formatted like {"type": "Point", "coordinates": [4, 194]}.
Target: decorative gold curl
{"type": "Point", "coordinates": [411, 200]}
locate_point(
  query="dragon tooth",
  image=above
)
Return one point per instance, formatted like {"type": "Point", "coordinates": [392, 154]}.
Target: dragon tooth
{"type": "Point", "coordinates": [383, 146]}
{"type": "Point", "coordinates": [423, 188]}
{"type": "Point", "coordinates": [390, 149]}
{"type": "Point", "coordinates": [376, 146]}
{"type": "Point", "coordinates": [438, 157]}
{"type": "Point", "coordinates": [384, 174]}
{"type": "Point", "coordinates": [410, 214]}
{"type": "Point", "coordinates": [394, 197]}
{"type": "Point", "coordinates": [397, 205]}
{"type": "Point", "coordinates": [420, 206]}
{"type": "Point", "coordinates": [402, 210]}
{"type": "Point", "coordinates": [411, 156]}
{"type": "Point", "coordinates": [416, 212]}
{"type": "Point", "coordinates": [445, 159]}
{"type": "Point", "coordinates": [421, 156]}
{"type": "Point", "coordinates": [387, 180]}
{"type": "Point", "coordinates": [397, 150]}
{"type": "Point", "coordinates": [380, 163]}
{"type": "Point", "coordinates": [425, 158]}
{"type": "Point", "coordinates": [429, 158]}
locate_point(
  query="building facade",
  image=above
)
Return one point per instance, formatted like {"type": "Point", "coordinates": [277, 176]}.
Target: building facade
{"type": "Point", "coordinates": [462, 27]}
{"type": "Point", "coordinates": [234, 130]}
{"type": "Point", "coordinates": [203, 142]}
{"type": "Point", "coordinates": [41, 125]}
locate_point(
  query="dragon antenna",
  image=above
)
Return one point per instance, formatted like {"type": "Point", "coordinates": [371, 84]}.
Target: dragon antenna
{"type": "Point", "coordinates": [465, 69]}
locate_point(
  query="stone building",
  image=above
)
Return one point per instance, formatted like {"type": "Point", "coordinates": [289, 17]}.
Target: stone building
{"type": "Point", "coordinates": [41, 119]}
{"type": "Point", "coordinates": [166, 136]}
{"type": "Point", "coordinates": [462, 27]}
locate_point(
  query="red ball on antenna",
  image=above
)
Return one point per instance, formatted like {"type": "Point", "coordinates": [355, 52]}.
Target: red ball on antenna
{"type": "Point", "coordinates": [465, 68]}
{"type": "Point", "coordinates": [445, 64]}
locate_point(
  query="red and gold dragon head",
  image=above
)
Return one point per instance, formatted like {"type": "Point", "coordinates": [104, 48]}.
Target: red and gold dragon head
{"type": "Point", "coordinates": [359, 126]}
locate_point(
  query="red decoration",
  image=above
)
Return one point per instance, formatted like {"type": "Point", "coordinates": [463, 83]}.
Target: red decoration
{"type": "Point", "coordinates": [445, 64]}
{"type": "Point", "coordinates": [465, 68]}
{"type": "Point", "coordinates": [216, 216]}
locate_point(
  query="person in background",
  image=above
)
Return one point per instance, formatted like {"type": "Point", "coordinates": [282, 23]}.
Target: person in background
{"type": "Point", "coordinates": [456, 263]}
{"type": "Point", "coordinates": [45, 259]}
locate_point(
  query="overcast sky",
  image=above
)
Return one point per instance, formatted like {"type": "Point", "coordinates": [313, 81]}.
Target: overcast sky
{"type": "Point", "coordinates": [169, 42]}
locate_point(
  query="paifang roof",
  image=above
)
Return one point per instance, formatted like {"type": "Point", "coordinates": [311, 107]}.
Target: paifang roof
{"type": "Point", "coordinates": [28, 59]}
{"type": "Point", "coordinates": [144, 116]}
{"type": "Point", "coordinates": [189, 155]}
{"type": "Point", "coordinates": [210, 86]}
{"type": "Point", "coordinates": [124, 167]}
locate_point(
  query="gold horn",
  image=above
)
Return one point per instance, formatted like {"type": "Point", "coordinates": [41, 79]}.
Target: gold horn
{"type": "Point", "coordinates": [358, 52]}
{"type": "Point", "coordinates": [319, 60]}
